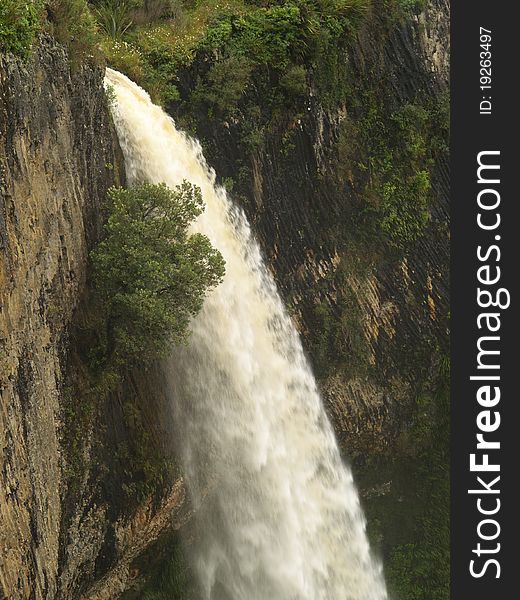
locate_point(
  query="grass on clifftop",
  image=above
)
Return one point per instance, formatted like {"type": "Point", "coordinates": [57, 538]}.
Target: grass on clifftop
{"type": "Point", "coordinates": [151, 41]}
{"type": "Point", "coordinates": [240, 35]}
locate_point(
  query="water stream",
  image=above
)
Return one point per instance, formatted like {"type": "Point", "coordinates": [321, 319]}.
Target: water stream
{"type": "Point", "coordinates": [282, 520]}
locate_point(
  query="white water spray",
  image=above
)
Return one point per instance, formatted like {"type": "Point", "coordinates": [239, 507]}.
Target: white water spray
{"type": "Point", "coordinates": [283, 519]}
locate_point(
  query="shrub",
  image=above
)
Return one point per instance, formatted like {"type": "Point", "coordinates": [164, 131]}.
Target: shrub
{"type": "Point", "coordinates": [143, 465]}
{"type": "Point", "coordinates": [398, 171]}
{"type": "Point", "coordinates": [172, 578]}
{"type": "Point", "coordinates": [19, 22]}
{"type": "Point", "coordinates": [149, 275]}
{"type": "Point", "coordinates": [294, 81]}
{"type": "Point", "coordinates": [226, 83]}
{"type": "Point", "coordinates": [148, 11]}
{"type": "Point", "coordinates": [124, 57]}
{"type": "Point", "coordinates": [420, 570]}
{"type": "Point", "coordinates": [74, 27]}
{"type": "Point", "coordinates": [267, 36]}
{"type": "Point", "coordinates": [161, 54]}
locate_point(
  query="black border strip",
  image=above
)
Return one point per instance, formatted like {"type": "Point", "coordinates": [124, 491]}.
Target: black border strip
{"type": "Point", "coordinates": [472, 133]}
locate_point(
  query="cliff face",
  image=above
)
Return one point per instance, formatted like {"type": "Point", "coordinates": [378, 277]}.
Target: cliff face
{"type": "Point", "coordinates": [373, 321]}
{"type": "Point", "coordinates": [58, 156]}
{"type": "Point", "coordinates": [53, 175]}
{"type": "Point", "coordinates": [303, 194]}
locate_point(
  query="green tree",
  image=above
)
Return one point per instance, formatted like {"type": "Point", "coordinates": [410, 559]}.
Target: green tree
{"type": "Point", "coordinates": [150, 274]}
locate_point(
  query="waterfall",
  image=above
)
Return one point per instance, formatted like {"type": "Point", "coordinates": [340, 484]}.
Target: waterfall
{"type": "Point", "coordinates": [277, 512]}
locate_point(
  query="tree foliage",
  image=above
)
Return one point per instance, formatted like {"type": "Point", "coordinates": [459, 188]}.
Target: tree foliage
{"type": "Point", "coordinates": [150, 274]}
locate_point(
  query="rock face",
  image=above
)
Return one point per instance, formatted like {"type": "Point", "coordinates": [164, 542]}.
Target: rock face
{"type": "Point", "coordinates": [55, 145]}
{"type": "Point", "coordinates": [297, 200]}
{"type": "Point", "coordinates": [58, 156]}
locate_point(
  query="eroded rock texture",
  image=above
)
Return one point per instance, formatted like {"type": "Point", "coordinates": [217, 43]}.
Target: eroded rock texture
{"type": "Point", "coordinates": [299, 193]}
{"type": "Point", "coordinates": [58, 156]}
{"type": "Point", "coordinates": [55, 141]}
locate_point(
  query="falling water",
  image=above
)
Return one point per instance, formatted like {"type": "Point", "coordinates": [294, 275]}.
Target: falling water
{"type": "Point", "coordinates": [282, 519]}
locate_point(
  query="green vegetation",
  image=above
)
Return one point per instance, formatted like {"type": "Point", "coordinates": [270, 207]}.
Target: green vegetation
{"type": "Point", "coordinates": [420, 569]}
{"type": "Point", "coordinates": [20, 20]}
{"type": "Point", "coordinates": [386, 155]}
{"type": "Point", "coordinates": [398, 177]}
{"type": "Point", "coordinates": [174, 580]}
{"type": "Point", "coordinates": [72, 24]}
{"type": "Point", "coordinates": [167, 574]}
{"type": "Point", "coordinates": [145, 470]}
{"type": "Point", "coordinates": [153, 40]}
{"type": "Point", "coordinates": [384, 160]}
{"type": "Point", "coordinates": [78, 412]}
{"type": "Point", "coordinates": [256, 65]}
{"type": "Point", "coordinates": [338, 340]}
{"type": "Point", "coordinates": [149, 275]}
{"type": "Point", "coordinates": [272, 39]}
{"type": "Point", "coordinates": [113, 17]}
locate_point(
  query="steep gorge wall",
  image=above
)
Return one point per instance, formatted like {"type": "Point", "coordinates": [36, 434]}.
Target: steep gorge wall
{"type": "Point", "coordinates": [299, 192]}
{"type": "Point", "coordinates": [58, 157]}
{"type": "Point", "coordinates": [55, 137]}
{"type": "Point", "coordinates": [60, 535]}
